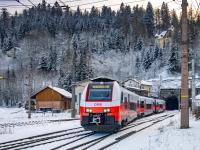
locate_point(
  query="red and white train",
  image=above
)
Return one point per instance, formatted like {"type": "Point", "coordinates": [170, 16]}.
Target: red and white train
{"type": "Point", "coordinates": [106, 106]}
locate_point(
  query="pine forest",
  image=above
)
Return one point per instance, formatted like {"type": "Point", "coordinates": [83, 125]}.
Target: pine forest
{"type": "Point", "coordinates": [104, 42]}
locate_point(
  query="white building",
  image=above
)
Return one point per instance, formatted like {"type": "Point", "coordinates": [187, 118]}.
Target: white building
{"type": "Point", "coordinates": [197, 100]}
{"type": "Point", "coordinates": [132, 83]}
{"type": "Point", "coordinates": [80, 86]}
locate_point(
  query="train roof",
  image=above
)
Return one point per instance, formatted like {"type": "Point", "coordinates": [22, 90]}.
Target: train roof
{"type": "Point", "coordinates": [103, 78]}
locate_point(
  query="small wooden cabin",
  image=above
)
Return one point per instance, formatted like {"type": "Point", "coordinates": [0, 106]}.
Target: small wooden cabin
{"type": "Point", "coordinates": [61, 98]}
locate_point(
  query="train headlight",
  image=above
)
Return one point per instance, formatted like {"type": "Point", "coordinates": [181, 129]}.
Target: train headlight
{"type": "Point", "coordinates": [88, 110]}
{"type": "Point", "coordinates": [107, 110]}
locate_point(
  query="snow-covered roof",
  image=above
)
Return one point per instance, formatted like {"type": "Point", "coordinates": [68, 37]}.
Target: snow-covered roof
{"type": "Point", "coordinates": [83, 81]}
{"type": "Point", "coordinates": [58, 90]}
{"type": "Point", "coordinates": [161, 36]}
{"type": "Point", "coordinates": [132, 80]}
{"type": "Point", "coordinates": [61, 91]}
{"type": "Point", "coordinates": [135, 88]}
{"type": "Point", "coordinates": [146, 83]}
{"type": "Point", "coordinates": [197, 97]}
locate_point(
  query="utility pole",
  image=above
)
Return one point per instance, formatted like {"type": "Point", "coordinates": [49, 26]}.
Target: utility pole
{"type": "Point", "coordinates": [29, 93]}
{"type": "Point", "coordinates": [73, 82]}
{"type": "Point", "coordinates": [193, 84]}
{"type": "Point", "coordinates": [52, 98]}
{"type": "Point", "coordinates": [184, 69]}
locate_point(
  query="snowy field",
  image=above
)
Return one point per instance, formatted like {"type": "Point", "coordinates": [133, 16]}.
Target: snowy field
{"type": "Point", "coordinates": [165, 135]}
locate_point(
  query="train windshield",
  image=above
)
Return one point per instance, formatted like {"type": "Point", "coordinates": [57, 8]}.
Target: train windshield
{"type": "Point", "coordinates": [99, 91]}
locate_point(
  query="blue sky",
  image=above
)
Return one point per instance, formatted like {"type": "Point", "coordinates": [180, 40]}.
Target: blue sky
{"type": "Point", "coordinates": [84, 4]}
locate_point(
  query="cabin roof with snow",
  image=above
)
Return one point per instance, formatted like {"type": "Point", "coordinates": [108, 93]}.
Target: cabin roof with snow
{"type": "Point", "coordinates": [131, 80]}
{"type": "Point", "coordinates": [146, 83]}
{"type": "Point", "coordinates": [163, 34]}
{"type": "Point", "coordinates": [60, 91]}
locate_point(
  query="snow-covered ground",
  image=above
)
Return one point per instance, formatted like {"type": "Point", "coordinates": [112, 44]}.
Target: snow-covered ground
{"type": "Point", "coordinates": [165, 135]}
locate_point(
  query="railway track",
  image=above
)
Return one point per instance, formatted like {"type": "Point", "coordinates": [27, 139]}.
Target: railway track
{"type": "Point", "coordinates": [78, 134]}
{"type": "Point", "coordinates": [40, 138]}
{"type": "Point", "coordinates": [101, 138]}
{"type": "Point", "coordinates": [133, 132]}
{"type": "Point", "coordinates": [33, 122]}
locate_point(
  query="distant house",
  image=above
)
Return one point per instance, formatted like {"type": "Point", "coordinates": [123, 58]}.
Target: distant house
{"type": "Point", "coordinates": [11, 52]}
{"type": "Point", "coordinates": [164, 37]}
{"type": "Point", "coordinates": [197, 100]}
{"type": "Point", "coordinates": [61, 98]}
{"type": "Point", "coordinates": [146, 86]}
{"type": "Point", "coordinates": [134, 85]}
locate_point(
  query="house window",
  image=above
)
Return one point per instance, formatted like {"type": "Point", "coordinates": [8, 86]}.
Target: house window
{"type": "Point", "coordinates": [75, 98]}
{"type": "Point", "coordinates": [130, 85]}
{"type": "Point", "coordinates": [169, 35]}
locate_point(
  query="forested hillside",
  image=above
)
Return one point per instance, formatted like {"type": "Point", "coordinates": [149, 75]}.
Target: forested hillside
{"type": "Point", "coordinates": [118, 44]}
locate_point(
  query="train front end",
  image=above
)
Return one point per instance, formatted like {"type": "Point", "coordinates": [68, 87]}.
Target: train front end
{"type": "Point", "coordinates": [99, 110]}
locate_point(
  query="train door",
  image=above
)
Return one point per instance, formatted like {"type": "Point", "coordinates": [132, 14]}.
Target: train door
{"type": "Point", "coordinates": [145, 106]}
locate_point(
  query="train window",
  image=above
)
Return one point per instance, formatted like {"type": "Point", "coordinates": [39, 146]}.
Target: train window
{"type": "Point", "coordinates": [122, 95]}
{"type": "Point", "coordinates": [32, 103]}
{"type": "Point", "coordinates": [142, 104]}
{"type": "Point", "coordinates": [100, 92]}
{"type": "Point", "coordinates": [148, 106]}
{"type": "Point", "coordinates": [138, 104]}
{"type": "Point", "coordinates": [133, 106]}
{"type": "Point", "coordinates": [125, 103]}
{"type": "Point", "coordinates": [128, 98]}
{"type": "Point", "coordinates": [153, 104]}
{"type": "Point", "coordinates": [161, 106]}
{"type": "Point", "coordinates": [157, 105]}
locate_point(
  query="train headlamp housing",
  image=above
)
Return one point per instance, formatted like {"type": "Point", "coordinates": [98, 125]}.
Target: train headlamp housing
{"type": "Point", "coordinates": [107, 110]}
{"type": "Point", "coordinates": [88, 110]}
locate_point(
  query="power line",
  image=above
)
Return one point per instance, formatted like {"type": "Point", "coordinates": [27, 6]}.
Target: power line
{"type": "Point", "coordinates": [35, 6]}
{"type": "Point", "coordinates": [166, 3]}
{"type": "Point", "coordinates": [176, 3]}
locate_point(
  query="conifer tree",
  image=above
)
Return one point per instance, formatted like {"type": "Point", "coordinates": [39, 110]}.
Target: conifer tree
{"type": "Point", "coordinates": [165, 16]}
{"type": "Point", "coordinates": [149, 19]}
{"type": "Point", "coordinates": [147, 61]}
{"type": "Point", "coordinates": [173, 60]}
{"type": "Point", "coordinates": [42, 63]}
{"type": "Point", "coordinates": [137, 64]}
{"type": "Point", "coordinates": [139, 44]}
{"type": "Point", "coordinates": [156, 52]}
